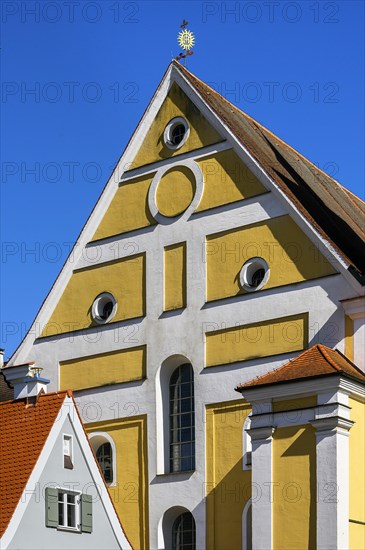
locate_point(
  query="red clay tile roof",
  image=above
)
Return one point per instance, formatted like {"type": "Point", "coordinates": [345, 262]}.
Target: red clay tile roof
{"type": "Point", "coordinates": [24, 431]}
{"type": "Point", "coordinates": [316, 361]}
{"type": "Point", "coordinates": [337, 214]}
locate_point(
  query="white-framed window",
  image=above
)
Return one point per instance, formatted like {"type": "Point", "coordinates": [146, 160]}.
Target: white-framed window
{"type": "Point", "coordinates": [254, 274]}
{"type": "Point", "coordinates": [68, 510]}
{"type": "Point", "coordinates": [182, 419]}
{"type": "Point", "coordinates": [176, 133]}
{"type": "Point", "coordinates": [68, 451]}
{"type": "Point", "coordinates": [104, 308]}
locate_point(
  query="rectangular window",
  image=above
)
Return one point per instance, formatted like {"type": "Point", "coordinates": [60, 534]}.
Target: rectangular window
{"type": "Point", "coordinates": [67, 452]}
{"type": "Point", "coordinates": [68, 510]}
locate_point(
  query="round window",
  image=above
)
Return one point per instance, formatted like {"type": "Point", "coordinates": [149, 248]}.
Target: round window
{"type": "Point", "coordinates": [104, 308]}
{"type": "Point", "coordinates": [254, 274]}
{"type": "Point", "coordinates": [176, 133]}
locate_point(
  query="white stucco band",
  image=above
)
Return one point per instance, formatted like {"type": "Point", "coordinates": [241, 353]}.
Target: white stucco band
{"type": "Point", "coordinates": [261, 487]}
{"type": "Point", "coordinates": [355, 309]}
{"type": "Point", "coordinates": [332, 457]}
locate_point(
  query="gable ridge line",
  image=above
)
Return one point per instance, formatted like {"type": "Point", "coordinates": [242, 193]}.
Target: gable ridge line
{"type": "Point", "coordinates": [328, 358]}
{"type": "Point", "coordinates": [47, 435]}
{"type": "Point", "coordinates": [261, 127]}
{"type": "Point", "coordinates": [63, 272]}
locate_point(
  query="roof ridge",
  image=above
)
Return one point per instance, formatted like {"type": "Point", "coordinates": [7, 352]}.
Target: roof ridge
{"type": "Point", "coordinates": [262, 127]}
{"type": "Point", "coordinates": [323, 350]}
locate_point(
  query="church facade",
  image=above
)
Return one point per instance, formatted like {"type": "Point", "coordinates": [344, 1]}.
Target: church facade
{"type": "Point", "coordinates": [216, 256]}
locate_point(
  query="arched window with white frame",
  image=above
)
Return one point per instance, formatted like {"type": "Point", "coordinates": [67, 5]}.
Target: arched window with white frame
{"type": "Point", "coordinates": [104, 448]}
{"type": "Point", "coordinates": [175, 417]}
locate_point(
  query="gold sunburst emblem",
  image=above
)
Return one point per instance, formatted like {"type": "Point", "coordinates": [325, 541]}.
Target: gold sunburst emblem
{"type": "Point", "coordinates": [186, 39]}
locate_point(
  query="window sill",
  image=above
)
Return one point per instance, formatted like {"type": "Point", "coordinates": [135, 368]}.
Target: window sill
{"type": "Point", "coordinates": [174, 476]}
{"type": "Point", "coordinates": [72, 529]}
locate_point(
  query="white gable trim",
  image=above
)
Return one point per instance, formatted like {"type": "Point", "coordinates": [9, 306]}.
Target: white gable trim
{"type": "Point", "coordinates": [173, 74]}
{"type": "Point", "coordinates": [68, 410]}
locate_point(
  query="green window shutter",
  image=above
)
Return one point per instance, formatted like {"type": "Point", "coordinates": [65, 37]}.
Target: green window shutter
{"type": "Point", "coordinates": [51, 498]}
{"type": "Point", "coordinates": [86, 513]}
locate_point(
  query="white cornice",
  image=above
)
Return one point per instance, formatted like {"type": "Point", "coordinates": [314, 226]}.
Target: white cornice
{"type": "Point", "coordinates": [304, 388]}
{"type": "Point", "coordinates": [355, 307]}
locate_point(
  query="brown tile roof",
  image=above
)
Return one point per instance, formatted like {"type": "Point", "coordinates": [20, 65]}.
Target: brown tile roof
{"type": "Point", "coordinates": [6, 392]}
{"type": "Point", "coordinates": [337, 214]}
{"type": "Point", "coordinates": [316, 361]}
{"type": "Point", "coordinates": [24, 431]}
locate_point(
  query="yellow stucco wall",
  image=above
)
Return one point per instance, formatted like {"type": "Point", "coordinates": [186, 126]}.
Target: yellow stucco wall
{"type": "Point", "coordinates": [104, 369]}
{"type": "Point", "coordinates": [226, 180]}
{"type": "Point", "coordinates": [349, 338]}
{"type": "Point", "coordinates": [294, 404]}
{"type": "Point", "coordinates": [175, 191]}
{"type": "Point", "coordinates": [291, 256]}
{"type": "Point", "coordinates": [263, 339]}
{"type": "Point", "coordinates": [176, 104]}
{"type": "Point", "coordinates": [294, 489]}
{"type": "Point", "coordinates": [128, 210]}
{"type": "Point", "coordinates": [228, 487]}
{"type": "Point", "coordinates": [357, 476]}
{"type": "Point", "coordinates": [175, 276]}
{"type": "Point", "coordinates": [124, 278]}
{"type": "Point", "coordinates": [130, 495]}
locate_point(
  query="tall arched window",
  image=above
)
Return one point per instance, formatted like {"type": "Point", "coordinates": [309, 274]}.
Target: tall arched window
{"type": "Point", "coordinates": [105, 452]}
{"type": "Point", "coordinates": [182, 421]}
{"type": "Point", "coordinates": [183, 532]}
{"type": "Point", "coordinates": [104, 455]}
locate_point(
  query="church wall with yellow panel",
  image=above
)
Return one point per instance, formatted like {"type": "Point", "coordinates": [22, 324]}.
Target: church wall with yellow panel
{"type": "Point", "coordinates": [182, 277]}
{"type": "Point", "coordinates": [123, 278]}
{"type": "Point", "coordinates": [228, 487]}
{"type": "Point", "coordinates": [130, 490]}
{"type": "Point", "coordinates": [357, 475]}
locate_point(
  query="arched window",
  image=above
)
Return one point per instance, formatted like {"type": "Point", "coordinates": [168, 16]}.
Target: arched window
{"type": "Point", "coordinates": [183, 532]}
{"type": "Point", "coordinates": [182, 421]}
{"type": "Point", "coordinates": [104, 455]}
{"type": "Point", "coordinates": [104, 449]}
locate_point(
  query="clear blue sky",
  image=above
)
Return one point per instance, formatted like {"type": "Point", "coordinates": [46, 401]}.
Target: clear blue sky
{"type": "Point", "coordinates": [297, 67]}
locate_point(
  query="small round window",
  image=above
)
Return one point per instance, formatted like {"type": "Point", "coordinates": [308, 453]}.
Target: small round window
{"type": "Point", "coordinates": [176, 133]}
{"type": "Point", "coordinates": [104, 308]}
{"type": "Point", "coordinates": [254, 274]}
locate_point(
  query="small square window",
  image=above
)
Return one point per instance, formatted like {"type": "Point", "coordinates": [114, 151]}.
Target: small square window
{"type": "Point", "coordinates": [67, 452]}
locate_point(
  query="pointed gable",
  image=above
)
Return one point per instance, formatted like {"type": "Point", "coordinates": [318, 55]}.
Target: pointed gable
{"type": "Point", "coordinates": [24, 431]}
